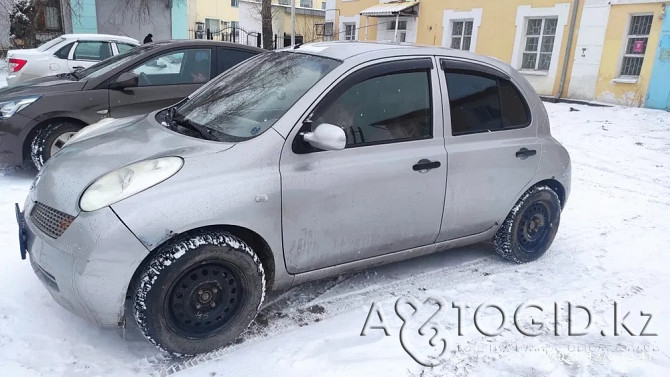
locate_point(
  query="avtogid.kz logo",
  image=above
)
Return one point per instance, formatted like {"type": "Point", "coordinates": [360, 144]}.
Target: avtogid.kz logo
{"type": "Point", "coordinates": [424, 337]}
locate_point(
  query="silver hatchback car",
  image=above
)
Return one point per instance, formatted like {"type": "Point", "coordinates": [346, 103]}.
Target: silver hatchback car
{"type": "Point", "coordinates": [292, 166]}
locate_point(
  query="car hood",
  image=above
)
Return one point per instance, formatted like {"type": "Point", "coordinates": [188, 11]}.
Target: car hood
{"type": "Point", "coordinates": [66, 175]}
{"type": "Point", "coordinates": [42, 85]}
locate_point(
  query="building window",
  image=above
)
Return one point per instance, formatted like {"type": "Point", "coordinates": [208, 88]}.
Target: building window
{"type": "Point", "coordinates": [284, 2]}
{"type": "Point", "coordinates": [402, 31]}
{"type": "Point", "coordinates": [349, 32]}
{"type": "Point", "coordinates": [323, 5]}
{"type": "Point", "coordinates": [306, 3]}
{"type": "Point", "coordinates": [235, 3]}
{"type": "Point", "coordinates": [52, 18]}
{"type": "Point", "coordinates": [636, 45]}
{"type": "Point", "coordinates": [461, 35]}
{"type": "Point", "coordinates": [213, 25]}
{"type": "Point", "coordinates": [539, 43]}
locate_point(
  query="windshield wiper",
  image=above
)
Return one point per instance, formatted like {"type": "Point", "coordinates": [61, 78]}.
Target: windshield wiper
{"type": "Point", "coordinates": [203, 131]}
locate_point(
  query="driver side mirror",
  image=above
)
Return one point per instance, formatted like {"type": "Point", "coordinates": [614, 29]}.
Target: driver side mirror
{"type": "Point", "coordinates": [126, 80]}
{"type": "Point", "coordinates": [326, 136]}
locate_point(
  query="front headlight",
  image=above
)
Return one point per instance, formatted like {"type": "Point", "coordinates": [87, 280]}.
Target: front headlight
{"type": "Point", "coordinates": [14, 105]}
{"type": "Point", "coordinates": [127, 181]}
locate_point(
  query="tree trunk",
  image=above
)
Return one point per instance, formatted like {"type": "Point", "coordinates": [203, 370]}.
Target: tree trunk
{"type": "Point", "coordinates": [266, 21]}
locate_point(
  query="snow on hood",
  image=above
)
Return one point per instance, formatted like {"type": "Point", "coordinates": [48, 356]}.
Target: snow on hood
{"type": "Point", "coordinates": [64, 177]}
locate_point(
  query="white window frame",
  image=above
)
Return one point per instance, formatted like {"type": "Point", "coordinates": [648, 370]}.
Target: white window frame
{"type": "Point", "coordinates": [625, 44]}
{"type": "Point", "coordinates": [540, 38]}
{"type": "Point", "coordinates": [523, 13]}
{"type": "Point", "coordinates": [355, 20]}
{"type": "Point", "coordinates": [402, 33]}
{"type": "Point", "coordinates": [450, 16]}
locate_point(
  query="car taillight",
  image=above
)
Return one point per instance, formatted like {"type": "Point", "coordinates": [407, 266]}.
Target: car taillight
{"type": "Point", "coordinates": [15, 65]}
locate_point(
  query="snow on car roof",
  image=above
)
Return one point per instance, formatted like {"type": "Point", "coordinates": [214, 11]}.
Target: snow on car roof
{"type": "Point", "coordinates": [100, 37]}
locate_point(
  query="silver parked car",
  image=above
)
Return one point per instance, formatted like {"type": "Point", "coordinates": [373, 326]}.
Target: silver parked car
{"type": "Point", "coordinates": [292, 166]}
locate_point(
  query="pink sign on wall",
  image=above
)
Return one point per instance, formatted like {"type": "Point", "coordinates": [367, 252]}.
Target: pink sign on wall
{"type": "Point", "coordinates": [638, 46]}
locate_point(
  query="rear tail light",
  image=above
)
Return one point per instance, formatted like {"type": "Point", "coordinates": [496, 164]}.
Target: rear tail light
{"type": "Point", "coordinates": [15, 65]}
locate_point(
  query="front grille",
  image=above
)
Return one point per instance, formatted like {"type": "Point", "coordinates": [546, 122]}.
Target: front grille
{"type": "Point", "coordinates": [50, 221]}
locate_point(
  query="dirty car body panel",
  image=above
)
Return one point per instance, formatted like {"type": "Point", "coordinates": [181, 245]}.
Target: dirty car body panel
{"type": "Point", "coordinates": [319, 212]}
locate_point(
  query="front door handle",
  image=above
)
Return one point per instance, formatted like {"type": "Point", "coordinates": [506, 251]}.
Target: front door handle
{"type": "Point", "coordinates": [424, 165]}
{"type": "Point", "coordinates": [524, 153]}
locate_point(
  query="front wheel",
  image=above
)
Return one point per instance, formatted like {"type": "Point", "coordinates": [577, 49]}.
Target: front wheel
{"type": "Point", "coordinates": [199, 293]}
{"type": "Point", "coordinates": [530, 227]}
{"type": "Point", "coordinates": [50, 140]}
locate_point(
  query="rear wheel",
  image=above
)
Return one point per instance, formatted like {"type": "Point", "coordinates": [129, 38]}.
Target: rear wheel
{"type": "Point", "coordinates": [199, 294]}
{"type": "Point", "coordinates": [530, 227]}
{"type": "Point", "coordinates": [50, 140]}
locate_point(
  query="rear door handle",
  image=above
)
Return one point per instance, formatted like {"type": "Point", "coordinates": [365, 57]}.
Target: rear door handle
{"type": "Point", "coordinates": [524, 153]}
{"type": "Point", "coordinates": [424, 165]}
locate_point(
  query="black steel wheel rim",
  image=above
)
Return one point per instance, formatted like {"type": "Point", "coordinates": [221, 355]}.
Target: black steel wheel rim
{"type": "Point", "coordinates": [534, 227]}
{"type": "Point", "coordinates": [203, 299]}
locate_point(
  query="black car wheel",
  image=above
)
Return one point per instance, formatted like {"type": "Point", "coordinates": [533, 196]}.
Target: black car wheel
{"type": "Point", "coordinates": [50, 140]}
{"type": "Point", "coordinates": [199, 293]}
{"type": "Point", "coordinates": [530, 227]}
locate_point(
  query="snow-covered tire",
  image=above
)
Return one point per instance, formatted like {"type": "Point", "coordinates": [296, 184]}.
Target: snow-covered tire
{"type": "Point", "coordinates": [43, 142]}
{"type": "Point", "coordinates": [198, 293]}
{"type": "Point", "coordinates": [530, 227]}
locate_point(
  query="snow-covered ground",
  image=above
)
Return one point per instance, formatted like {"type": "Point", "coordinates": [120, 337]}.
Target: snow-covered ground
{"type": "Point", "coordinates": [612, 246]}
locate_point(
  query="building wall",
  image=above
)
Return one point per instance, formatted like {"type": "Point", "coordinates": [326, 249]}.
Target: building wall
{"type": "Point", "coordinates": [112, 18]}
{"type": "Point", "coordinates": [85, 18]}
{"type": "Point", "coordinates": [5, 7]}
{"type": "Point", "coordinates": [349, 11]}
{"type": "Point", "coordinates": [658, 94]}
{"type": "Point", "coordinates": [610, 87]}
{"type": "Point", "coordinates": [305, 18]}
{"type": "Point", "coordinates": [501, 31]}
{"type": "Point", "coordinates": [216, 9]}
{"type": "Point", "coordinates": [588, 49]}
{"type": "Point", "coordinates": [179, 19]}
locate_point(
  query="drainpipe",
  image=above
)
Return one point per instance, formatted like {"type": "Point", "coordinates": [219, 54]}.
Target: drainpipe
{"type": "Point", "coordinates": [568, 49]}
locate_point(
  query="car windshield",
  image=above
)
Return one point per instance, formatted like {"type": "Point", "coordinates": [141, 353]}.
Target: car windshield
{"type": "Point", "coordinates": [112, 63]}
{"type": "Point", "coordinates": [248, 99]}
{"type": "Point", "coordinates": [48, 44]}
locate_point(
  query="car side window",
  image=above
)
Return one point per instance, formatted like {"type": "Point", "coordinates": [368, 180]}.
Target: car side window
{"type": "Point", "coordinates": [482, 102]}
{"type": "Point", "coordinates": [192, 66]}
{"type": "Point", "coordinates": [64, 52]}
{"type": "Point", "coordinates": [230, 57]}
{"type": "Point", "coordinates": [92, 51]}
{"type": "Point", "coordinates": [389, 108]}
{"type": "Point", "coordinates": [123, 48]}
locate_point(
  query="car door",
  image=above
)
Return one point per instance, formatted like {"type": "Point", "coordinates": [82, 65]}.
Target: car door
{"type": "Point", "coordinates": [164, 79]}
{"type": "Point", "coordinates": [492, 146]}
{"type": "Point", "coordinates": [59, 60]}
{"type": "Point", "coordinates": [385, 191]}
{"type": "Point", "coordinates": [87, 53]}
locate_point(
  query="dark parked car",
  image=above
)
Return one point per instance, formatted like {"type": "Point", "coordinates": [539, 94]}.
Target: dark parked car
{"type": "Point", "coordinates": [39, 116]}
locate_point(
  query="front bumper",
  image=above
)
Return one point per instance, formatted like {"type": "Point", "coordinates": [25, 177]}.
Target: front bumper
{"type": "Point", "coordinates": [89, 267]}
{"type": "Point", "coordinates": [13, 131]}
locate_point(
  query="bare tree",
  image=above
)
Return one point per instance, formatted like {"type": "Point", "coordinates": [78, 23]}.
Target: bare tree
{"type": "Point", "coordinates": [266, 23]}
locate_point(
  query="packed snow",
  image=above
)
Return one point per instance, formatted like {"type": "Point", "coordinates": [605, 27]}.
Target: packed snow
{"type": "Point", "coordinates": [611, 248]}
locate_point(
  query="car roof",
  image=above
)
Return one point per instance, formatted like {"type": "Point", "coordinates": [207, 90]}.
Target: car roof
{"type": "Point", "coordinates": [203, 42]}
{"type": "Point", "coordinates": [100, 37]}
{"type": "Point", "coordinates": [343, 50]}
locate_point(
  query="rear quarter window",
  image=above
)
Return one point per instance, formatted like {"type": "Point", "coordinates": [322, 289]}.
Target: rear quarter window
{"type": "Point", "coordinates": [480, 102]}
